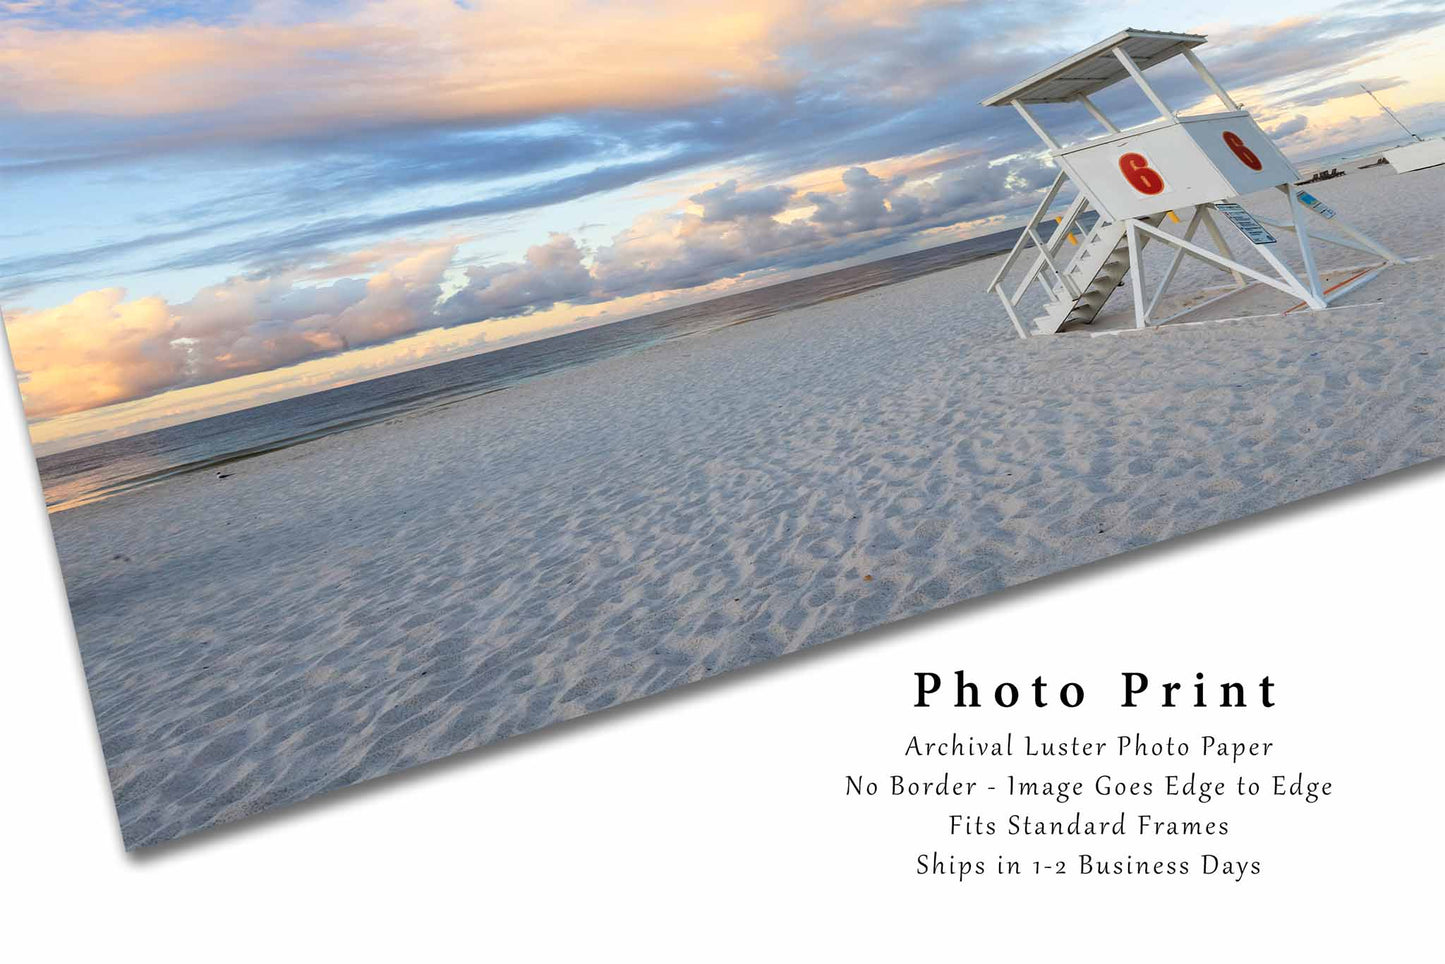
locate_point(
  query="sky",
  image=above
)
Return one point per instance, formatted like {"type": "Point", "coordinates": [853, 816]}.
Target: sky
{"type": "Point", "coordinates": [211, 204]}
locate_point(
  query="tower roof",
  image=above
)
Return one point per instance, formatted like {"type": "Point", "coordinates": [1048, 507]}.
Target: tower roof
{"type": "Point", "coordinates": [1096, 68]}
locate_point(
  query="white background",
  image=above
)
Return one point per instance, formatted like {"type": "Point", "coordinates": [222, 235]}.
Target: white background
{"type": "Point", "coordinates": [711, 822]}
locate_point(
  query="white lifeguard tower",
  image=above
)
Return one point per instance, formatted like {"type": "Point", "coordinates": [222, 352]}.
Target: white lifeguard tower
{"type": "Point", "coordinates": [1133, 179]}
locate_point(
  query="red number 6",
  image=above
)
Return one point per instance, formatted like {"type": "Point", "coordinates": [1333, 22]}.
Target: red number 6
{"type": "Point", "coordinates": [1141, 177]}
{"type": "Point", "coordinates": [1247, 157]}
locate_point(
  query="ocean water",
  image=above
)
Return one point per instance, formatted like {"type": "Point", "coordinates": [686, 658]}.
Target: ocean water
{"type": "Point", "coordinates": [108, 468]}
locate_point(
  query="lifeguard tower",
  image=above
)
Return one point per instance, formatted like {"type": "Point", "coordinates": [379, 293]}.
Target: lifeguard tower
{"type": "Point", "coordinates": [1131, 180]}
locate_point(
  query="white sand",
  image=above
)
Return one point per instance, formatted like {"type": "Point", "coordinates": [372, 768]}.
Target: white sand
{"type": "Point", "coordinates": [388, 596]}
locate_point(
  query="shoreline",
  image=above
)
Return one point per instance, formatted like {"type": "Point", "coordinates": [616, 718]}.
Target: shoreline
{"type": "Point", "coordinates": [921, 264]}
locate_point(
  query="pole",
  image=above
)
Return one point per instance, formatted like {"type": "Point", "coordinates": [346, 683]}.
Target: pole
{"type": "Point", "coordinates": [1390, 113]}
{"type": "Point", "coordinates": [1296, 213]}
{"type": "Point", "coordinates": [1123, 57]}
{"type": "Point", "coordinates": [1208, 78]}
{"type": "Point", "coordinates": [1044, 135]}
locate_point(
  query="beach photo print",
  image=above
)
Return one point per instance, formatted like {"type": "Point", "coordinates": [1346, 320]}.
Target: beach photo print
{"type": "Point", "coordinates": [408, 375]}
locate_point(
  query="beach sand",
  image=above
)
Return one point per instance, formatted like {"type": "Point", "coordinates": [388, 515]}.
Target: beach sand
{"type": "Point", "coordinates": [394, 594]}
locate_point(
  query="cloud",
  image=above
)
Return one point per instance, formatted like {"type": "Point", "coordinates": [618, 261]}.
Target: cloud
{"type": "Point", "coordinates": [1301, 52]}
{"type": "Point", "coordinates": [818, 98]}
{"type": "Point", "coordinates": [100, 349]}
{"type": "Point", "coordinates": [257, 76]}
{"type": "Point", "coordinates": [864, 211]}
{"type": "Point", "coordinates": [245, 325]}
{"type": "Point", "coordinates": [93, 351]}
{"type": "Point", "coordinates": [724, 202]}
{"type": "Point", "coordinates": [667, 251]}
{"type": "Point", "coordinates": [1351, 88]}
{"type": "Point", "coordinates": [855, 85]}
{"type": "Point", "coordinates": [1294, 125]}
{"type": "Point", "coordinates": [310, 238]}
{"type": "Point", "coordinates": [550, 273]}
{"type": "Point", "coordinates": [867, 202]}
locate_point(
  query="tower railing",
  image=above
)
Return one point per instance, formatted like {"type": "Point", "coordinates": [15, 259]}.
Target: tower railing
{"type": "Point", "coordinates": [1047, 256]}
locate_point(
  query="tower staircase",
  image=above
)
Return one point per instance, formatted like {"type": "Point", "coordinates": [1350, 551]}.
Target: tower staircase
{"type": "Point", "coordinates": [1097, 268]}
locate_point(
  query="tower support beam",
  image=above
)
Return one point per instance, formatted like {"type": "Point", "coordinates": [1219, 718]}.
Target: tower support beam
{"type": "Point", "coordinates": [1144, 85]}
